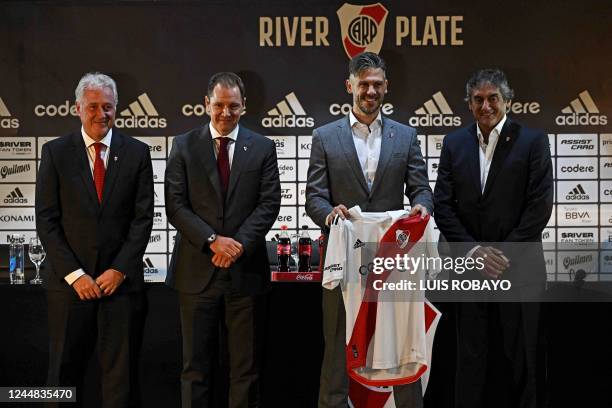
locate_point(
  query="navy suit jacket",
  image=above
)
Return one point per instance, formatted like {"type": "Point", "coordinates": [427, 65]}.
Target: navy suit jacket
{"type": "Point", "coordinates": [79, 232]}
{"type": "Point", "coordinates": [515, 205]}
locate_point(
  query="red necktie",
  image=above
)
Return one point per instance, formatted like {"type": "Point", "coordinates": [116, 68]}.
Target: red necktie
{"type": "Point", "coordinates": [99, 171]}
{"type": "Point", "coordinates": [223, 163]}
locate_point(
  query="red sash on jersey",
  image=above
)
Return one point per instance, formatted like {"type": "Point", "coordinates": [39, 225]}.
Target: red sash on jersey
{"type": "Point", "coordinates": [365, 323]}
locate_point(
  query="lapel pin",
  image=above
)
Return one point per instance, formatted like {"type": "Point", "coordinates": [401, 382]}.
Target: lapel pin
{"type": "Point", "coordinates": [115, 158]}
{"type": "Point", "coordinates": [507, 138]}
{"type": "Point", "coordinates": [245, 148]}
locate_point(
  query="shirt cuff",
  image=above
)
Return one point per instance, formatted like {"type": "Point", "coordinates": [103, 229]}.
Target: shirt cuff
{"type": "Point", "coordinates": [73, 276]}
{"type": "Point", "coordinates": [471, 252]}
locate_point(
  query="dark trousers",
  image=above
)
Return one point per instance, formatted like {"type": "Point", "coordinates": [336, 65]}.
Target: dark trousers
{"type": "Point", "coordinates": [334, 384]}
{"type": "Point", "coordinates": [516, 327]}
{"type": "Point", "coordinates": [76, 327]}
{"type": "Point", "coordinates": [200, 317]}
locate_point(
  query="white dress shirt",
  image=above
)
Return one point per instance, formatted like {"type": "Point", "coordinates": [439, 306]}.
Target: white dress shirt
{"type": "Point", "coordinates": [216, 136]}
{"type": "Point", "coordinates": [486, 151]}
{"type": "Point", "coordinates": [367, 141]}
{"type": "Point", "coordinates": [485, 154]}
{"type": "Point", "coordinates": [91, 155]}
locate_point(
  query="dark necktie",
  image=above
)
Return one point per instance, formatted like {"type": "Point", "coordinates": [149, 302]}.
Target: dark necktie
{"type": "Point", "coordinates": [223, 165]}
{"type": "Point", "coordinates": [99, 171]}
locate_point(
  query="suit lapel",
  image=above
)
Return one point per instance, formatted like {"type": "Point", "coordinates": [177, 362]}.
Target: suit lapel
{"type": "Point", "coordinates": [386, 148]}
{"type": "Point", "coordinates": [241, 155]}
{"type": "Point", "coordinates": [82, 165]}
{"type": "Point", "coordinates": [504, 144]}
{"type": "Point", "coordinates": [347, 144]}
{"type": "Point", "coordinates": [205, 154]}
{"type": "Point", "coordinates": [113, 164]}
{"type": "Point", "coordinates": [474, 159]}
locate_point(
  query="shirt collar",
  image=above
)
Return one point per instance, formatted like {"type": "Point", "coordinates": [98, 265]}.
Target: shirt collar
{"type": "Point", "coordinates": [232, 135]}
{"type": "Point", "coordinates": [106, 140]}
{"type": "Point", "coordinates": [497, 128]}
{"type": "Point", "coordinates": [374, 125]}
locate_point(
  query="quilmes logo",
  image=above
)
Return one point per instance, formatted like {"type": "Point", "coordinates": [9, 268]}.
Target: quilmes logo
{"type": "Point", "coordinates": [577, 193]}
{"type": "Point", "coordinates": [15, 197]}
{"type": "Point", "coordinates": [435, 112]}
{"type": "Point", "coordinates": [6, 119]}
{"type": "Point", "coordinates": [140, 114]}
{"type": "Point", "coordinates": [288, 113]}
{"type": "Point", "coordinates": [581, 111]}
{"type": "Point", "coordinates": [362, 27]}
{"type": "Point", "coordinates": [9, 170]}
{"type": "Point", "coordinates": [148, 266]}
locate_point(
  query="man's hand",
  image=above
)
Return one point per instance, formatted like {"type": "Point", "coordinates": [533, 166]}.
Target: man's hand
{"type": "Point", "coordinates": [340, 210]}
{"type": "Point", "coordinates": [109, 281]}
{"type": "Point", "coordinates": [86, 288]}
{"type": "Point", "coordinates": [418, 208]}
{"type": "Point", "coordinates": [226, 250]}
{"type": "Point", "coordinates": [495, 263]}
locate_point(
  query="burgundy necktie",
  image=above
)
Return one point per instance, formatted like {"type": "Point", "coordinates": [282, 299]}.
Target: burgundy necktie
{"type": "Point", "coordinates": [99, 171]}
{"type": "Point", "coordinates": [223, 165]}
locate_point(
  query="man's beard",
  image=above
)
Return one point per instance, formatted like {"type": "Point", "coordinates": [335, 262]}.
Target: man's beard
{"type": "Point", "coordinates": [368, 111]}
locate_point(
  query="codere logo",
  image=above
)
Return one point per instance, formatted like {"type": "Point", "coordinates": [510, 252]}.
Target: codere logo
{"type": "Point", "coordinates": [577, 193]}
{"type": "Point", "coordinates": [140, 114]}
{"type": "Point", "coordinates": [581, 111]}
{"type": "Point", "coordinates": [288, 113]}
{"type": "Point", "coordinates": [435, 112]}
{"type": "Point", "coordinates": [15, 197]}
{"type": "Point", "coordinates": [6, 120]}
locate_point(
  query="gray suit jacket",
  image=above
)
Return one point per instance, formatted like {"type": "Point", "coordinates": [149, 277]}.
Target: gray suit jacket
{"type": "Point", "coordinates": [335, 175]}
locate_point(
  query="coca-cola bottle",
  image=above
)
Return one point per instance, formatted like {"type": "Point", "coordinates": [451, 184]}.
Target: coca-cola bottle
{"type": "Point", "coordinates": [283, 250]}
{"type": "Point", "coordinates": [304, 250]}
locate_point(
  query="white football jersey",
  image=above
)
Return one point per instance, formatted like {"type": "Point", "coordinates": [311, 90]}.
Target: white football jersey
{"type": "Point", "coordinates": [389, 334]}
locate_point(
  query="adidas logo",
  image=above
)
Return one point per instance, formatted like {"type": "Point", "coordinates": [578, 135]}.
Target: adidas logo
{"type": "Point", "coordinates": [581, 111]}
{"type": "Point", "coordinates": [15, 197]}
{"type": "Point", "coordinates": [358, 244]}
{"type": "Point", "coordinates": [577, 193]}
{"type": "Point", "coordinates": [148, 266]}
{"type": "Point", "coordinates": [435, 112]}
{"type": "Point", "coordinates": [141, 114]}
{"type": "Point", "coordinates": [288, 113]}
{"type": "Point", "coordinates": [6, 120]}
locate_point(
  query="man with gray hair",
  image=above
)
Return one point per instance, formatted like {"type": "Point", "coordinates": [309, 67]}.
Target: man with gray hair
{"type": "Point", "coordinates": [94, 214]}
{"type": "Point", "coordinates": [372, 161]}
{"type": "Point", "coordinates": [494, 193]}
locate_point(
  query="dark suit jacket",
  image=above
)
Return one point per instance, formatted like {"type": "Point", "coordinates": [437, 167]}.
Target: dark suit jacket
{"type": "Point", "coordinates": [335, 175]}
{"type": "Point", "coordinates": [79, 232]}
{"type": "Point", "coordinates": [516, 203]}
{"type": "Point", "coordinates": [195, 206]}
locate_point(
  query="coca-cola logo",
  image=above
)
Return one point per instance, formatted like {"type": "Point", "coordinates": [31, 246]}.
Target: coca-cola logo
{"type": "Point", "coordinates": [305, 277]}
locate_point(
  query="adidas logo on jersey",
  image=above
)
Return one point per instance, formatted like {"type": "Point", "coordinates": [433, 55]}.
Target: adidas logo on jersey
{"type": "Point", "coordinates": [581, 111]}
{"type": "Point", "coordinates": [435, 112]}
{"type": "Point", "coordinates": [288, 113]}
{"type": "Point", "coordinates": [140, 114]}
{"type": "Point", "coordinates": [358, 244]}
{"type": "Point", "coordinates": [6, 120]}
{"type": "Point", "coordinates": [15, 197]}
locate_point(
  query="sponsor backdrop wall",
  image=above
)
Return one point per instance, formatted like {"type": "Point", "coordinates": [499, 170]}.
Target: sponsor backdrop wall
{"type": "Point", "coordinates": [293, 57]}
